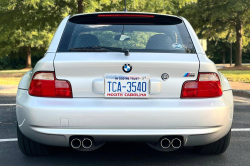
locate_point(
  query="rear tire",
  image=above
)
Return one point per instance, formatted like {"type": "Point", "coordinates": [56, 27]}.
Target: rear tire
{"type": "Point", "coordinates": [217, 147]}
{"type": "Point", "coordinates": [29, 147]}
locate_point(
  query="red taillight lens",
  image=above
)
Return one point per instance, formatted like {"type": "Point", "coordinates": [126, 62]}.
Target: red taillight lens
{"type": "Point", "coordinates": [125, 15]}
{"type": "Point", "coordinates": [44, 84]}
{"type": "Point", "coordinates": [207, 85]}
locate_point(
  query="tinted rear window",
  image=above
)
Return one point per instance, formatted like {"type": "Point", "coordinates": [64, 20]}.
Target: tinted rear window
{"type": "Point", "coordinates": [169, 37]}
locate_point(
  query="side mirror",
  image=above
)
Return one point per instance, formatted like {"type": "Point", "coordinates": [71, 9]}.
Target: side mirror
{"type": "Point", "coordinates": [122, 37]}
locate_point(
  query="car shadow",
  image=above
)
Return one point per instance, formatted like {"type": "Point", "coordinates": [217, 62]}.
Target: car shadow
{"type": "Point", "coordinates": [125, 154]}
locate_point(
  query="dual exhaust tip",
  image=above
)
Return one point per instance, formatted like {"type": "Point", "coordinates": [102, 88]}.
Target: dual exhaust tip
{"type": "Point", "coordinates": [166, 143]}
{"type": "Point", "coordinates": [85, 143]}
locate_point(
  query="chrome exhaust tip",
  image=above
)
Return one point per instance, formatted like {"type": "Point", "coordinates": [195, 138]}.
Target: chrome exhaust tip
{"type": "Point", "coordinates": [165, 143]}
{"type": "Point", "coordinates": [176, 143]}
{"type": "Point", "coordinates": [76, 143]}
{"type": "Point", "coordinates": [86, 143]}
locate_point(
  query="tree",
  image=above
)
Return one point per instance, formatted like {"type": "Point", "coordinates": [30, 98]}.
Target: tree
{"type": "Point", "coordinates": [155, 6]}
{"type": "Point", "coordinates": [80, 6]}
{"type": "Point", "coordinates": [217, 19]}
{"type": "Point", "coordinates": [28, 24]}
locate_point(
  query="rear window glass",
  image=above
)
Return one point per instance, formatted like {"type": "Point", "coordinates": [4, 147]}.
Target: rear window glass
{"type": "Point", "coordinates": [135, 38]}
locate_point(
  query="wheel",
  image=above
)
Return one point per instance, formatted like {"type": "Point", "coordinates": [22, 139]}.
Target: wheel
{"type": "Point", "coordinates": [217, 147]}
{"type": "Point", "coordinates": [29, 147]}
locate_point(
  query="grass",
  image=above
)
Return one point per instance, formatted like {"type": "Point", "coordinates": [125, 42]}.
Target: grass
{"type": "Point", "coordinates": [237, 75]}
{"type": "Point", "coordinates": [11, 77]}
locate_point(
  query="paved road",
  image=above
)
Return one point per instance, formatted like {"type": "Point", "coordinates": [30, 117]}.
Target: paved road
{"type": "Point", "coordinates": [116, 154]}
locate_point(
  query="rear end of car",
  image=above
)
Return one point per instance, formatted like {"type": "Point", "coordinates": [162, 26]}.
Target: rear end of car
{"type": "Point", "coordinates": [137, 77]}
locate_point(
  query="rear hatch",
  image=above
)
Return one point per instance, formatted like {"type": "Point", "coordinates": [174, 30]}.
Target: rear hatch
{"type": "Point", "coordinates": [93, 56]}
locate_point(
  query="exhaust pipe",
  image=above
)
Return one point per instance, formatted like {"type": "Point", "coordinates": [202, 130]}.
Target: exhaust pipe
{"type": "Point", "coordinates": [86, 143]}
{"type": "Point", "coordinates": [176, 143]}
{"type": "Point", "coordinates": [76, 143]}
{"type": "Point", "coordinates": [165, 143]}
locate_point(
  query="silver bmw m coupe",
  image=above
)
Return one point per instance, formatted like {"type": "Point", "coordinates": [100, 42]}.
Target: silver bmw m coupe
{"type": "Point", "coordinates": [124, 76]}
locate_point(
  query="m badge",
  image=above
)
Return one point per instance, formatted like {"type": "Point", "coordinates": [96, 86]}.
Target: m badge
{"type": "Point", "coordinates": [192, 74]}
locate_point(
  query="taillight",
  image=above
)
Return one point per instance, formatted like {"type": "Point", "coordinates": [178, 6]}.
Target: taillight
{"type": "Point", "coordinates": [125, 15]}
{"type": "Point", "coordinates": [44, 84]}
{"type": "Point", "coordinates": [207, 85]}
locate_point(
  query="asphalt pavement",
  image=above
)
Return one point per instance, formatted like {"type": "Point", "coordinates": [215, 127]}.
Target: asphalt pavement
{"type": "Point", "coordinates": [127, 154]}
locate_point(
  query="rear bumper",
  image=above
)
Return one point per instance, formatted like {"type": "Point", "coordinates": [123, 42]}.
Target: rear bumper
{"type": "Point", "coordinates": [52, 121]}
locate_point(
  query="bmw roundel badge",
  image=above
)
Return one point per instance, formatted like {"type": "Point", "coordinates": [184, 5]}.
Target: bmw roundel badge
{"type": "Point", "coordinates": [127, 68]}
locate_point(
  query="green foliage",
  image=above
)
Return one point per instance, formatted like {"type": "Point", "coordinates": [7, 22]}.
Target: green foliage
{"type": "Point", "coordinates": [32, 23]}
{"type": "Point", "coordinates": [217, 19]}
{"type": "Point", "coordinates": [28, 23]}
{"type": "Point", "coordinates": [17, 60]}
{"type": "Point", "coordinates": [155, 6]}
{"type": "Point", "coordinates": [216, 48]}
{"type": "Point", "coordinates": [224, 21]}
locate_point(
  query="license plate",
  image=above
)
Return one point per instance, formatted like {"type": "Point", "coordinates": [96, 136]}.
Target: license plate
{"type": "Point", "coordinates": [127, 86]}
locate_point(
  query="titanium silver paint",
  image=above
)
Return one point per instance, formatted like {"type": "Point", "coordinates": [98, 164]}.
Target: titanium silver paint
{"type": "Point", "coordinates": [199, 121]}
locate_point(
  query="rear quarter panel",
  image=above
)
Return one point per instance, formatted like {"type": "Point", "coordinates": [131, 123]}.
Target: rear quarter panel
{"type": "Point", "coordinates": [25, 81]}
{"type": "Point", "coordinates": [45, 64]}
{"type": "Point", "coordinates": [224, 82]}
